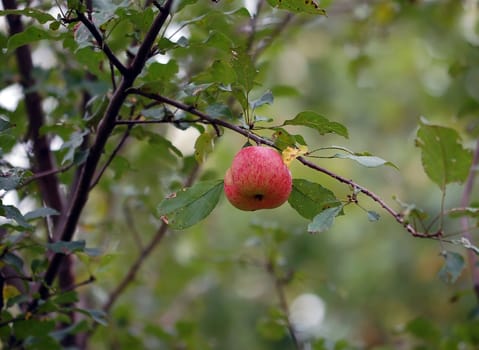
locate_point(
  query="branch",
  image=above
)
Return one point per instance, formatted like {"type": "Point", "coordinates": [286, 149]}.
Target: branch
{"type": "Point", "coordinates": [131, 274]}
{"type": "Point", "coordinates": [280, 27]}
{"type": "Point", "coordinates": [39, 175]}
{"type": "Point", "coordinates": [145, 252]}
{"type": "Point", "coordinates": [105, 128]}
{"type": "Point", "coordinates": [161, 121]}
{"type": "Point", "coordinates": [261, 140]}
{"type": "Point", "coordinates": [44, 160]}
{"type": "Point", "coordinates": [253, 25]}
{"type": "Point", "coordinates": [111, 157]}
{"type": "Point", "coordinates": [101, 43]}
{"type": "Point", "coordinates": [465, 201]}
{"type": "Point", "coordinates": [283, 303]}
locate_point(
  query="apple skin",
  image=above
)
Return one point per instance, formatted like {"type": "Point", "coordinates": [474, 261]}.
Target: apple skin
{"type": "Point", "coordinates": [257, 179]}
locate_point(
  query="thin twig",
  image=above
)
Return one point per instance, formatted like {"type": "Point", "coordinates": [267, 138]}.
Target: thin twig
{"type": "Point", "coordinates": [280, 27]}
{"type": "Point", "coordinates": [39, 175]}
{"type": "Point", "coordinates": [283, 302]}
{"type": "Point", "coordinates": [253, 25]}
{"type": "Point", "coordinates": [90, 280]}
{"type": "Point", "coordinates": [101, 43]}
{"type": "Point", "coordinates": [130, 222]}
{"type": "Point", "coordinates": [132, 272]}
{"type": "Point", "coordinates": [111, 157]}
{"type": "Point", "coordinates": [160, 121]}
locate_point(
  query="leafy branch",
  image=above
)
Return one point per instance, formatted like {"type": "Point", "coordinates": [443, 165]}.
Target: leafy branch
{"type": "Point", "coordinates": [101, 42]}
{"type": "Point", "coordinates": [279, 284]}
{"type": "Point", "coordinates": [399, 217]}
{"type": "Point", "coordinates": [105, 128]}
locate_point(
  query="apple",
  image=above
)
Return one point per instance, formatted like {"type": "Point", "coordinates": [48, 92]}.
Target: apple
{"type": "Point", "coordinates": [257, 179]}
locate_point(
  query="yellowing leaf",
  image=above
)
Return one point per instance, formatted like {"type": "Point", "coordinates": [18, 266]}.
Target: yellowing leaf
{"type": "Point", "coordinates": [9, 292]}
{"type": "Point", "coordinates": [291, 153]}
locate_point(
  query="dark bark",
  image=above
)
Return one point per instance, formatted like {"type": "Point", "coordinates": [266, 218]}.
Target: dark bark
{"type": "Point", "coordinates": [43, 157]}
{"type": "Point", "coordinates": [105, 128]}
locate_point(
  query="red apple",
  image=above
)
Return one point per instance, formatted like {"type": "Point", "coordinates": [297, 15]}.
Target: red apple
{"type": "Point", "coordinates": [257, 179]}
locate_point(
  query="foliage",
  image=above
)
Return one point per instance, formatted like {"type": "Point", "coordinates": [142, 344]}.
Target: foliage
{"type": "Point", "coordinates": [91, 158]}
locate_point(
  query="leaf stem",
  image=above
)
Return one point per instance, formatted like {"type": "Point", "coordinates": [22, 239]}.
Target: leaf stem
{"type": "Point", "coordinates": [101, 43]}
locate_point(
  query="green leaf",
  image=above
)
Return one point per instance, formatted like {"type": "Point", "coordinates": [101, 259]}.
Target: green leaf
{"type": "Point", "coordinates": [93, 252]}
{"type": "Point", "coordinates": [187, 207]}
{"type": "Point", "coordinates": [5, 125]}
{"type": "Point", "coordinates": [452, 268]}
{"type": "Point", "coordinates": [266, 98]}
{"type": "Point", "coordinates": [365, 160]}
{"type": "Point", "coordinates": [422, 329]}
{"type": "Point", "coordinates": [40, 16]}
{"type": "Point", "coordinates": [93, 60]}
{"type": "Point", "coordinates": [271, 329]}
{"type": "Point", "coordinates": [38, 265]}
{"type": "Point", "coordinates": [302, 6]}
{"type": "Point", "coordinates": [283, 139]}
{"type": "Point", "coordinates": [319, 123]}
{"type": "Point", "coordinates": [32, 328]}
{"type": "Point", "coordinates": [179, 5]}
{"type": "Point", "coordinates": [75, 328]}
{"type": "Point", "coordinates": [13, 260]}
{"type": "Point", "coordinates": [163, 144]}
{"type": "Point", "coordinates": [222, 72]}
{"type": "Point", "coordinates": [72, 145]}
{"type": "Point", "coordinates": [11, 212]}
{"type": "Point", "coordinates": [159, 71]}
{"type": "Point", "coordinates": [466, 211]}
{"type": "Point", "coordinates": [219, 40]}
{"type": "Point", "coordinates": [217, 110]}
{"type": "Point", "coordinates": [443, 157]}
{"type": "Point", "coordinates": [66, 247]}
{"type": "Point", "coordinates": [203, 146]}
{"type": "Point", "coordinates": [160, 113]}
{"type": "Point", "coordinates": [9, 182]}
{"type": "Point", "coordinates": [464, 242]}
{"type": "Point", "coordinates": [309, 198]}
{"type": "Point", "coordinates": [120, 165]}
{"type": "Point", "coordinates": [158, 76]}
{"type": "Point", "coordinates": [245, 70]}
{"type": "Point", "coordinates": [98, 316]}
{"type": "Point", "coordinates": [272, 325]}
{"type": "Point", "coordinates": [29, 35]}
{"type": "Point", "coordinates": [69, 297]}
{"type": "Point", "coordinates": [285, 91]}
{"type": "Point", "coordinates": [40, 213]}
{"type": "Point", "coordinates": [324, 220]}
{"type": "Point", "coordinates": [373, 216]}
